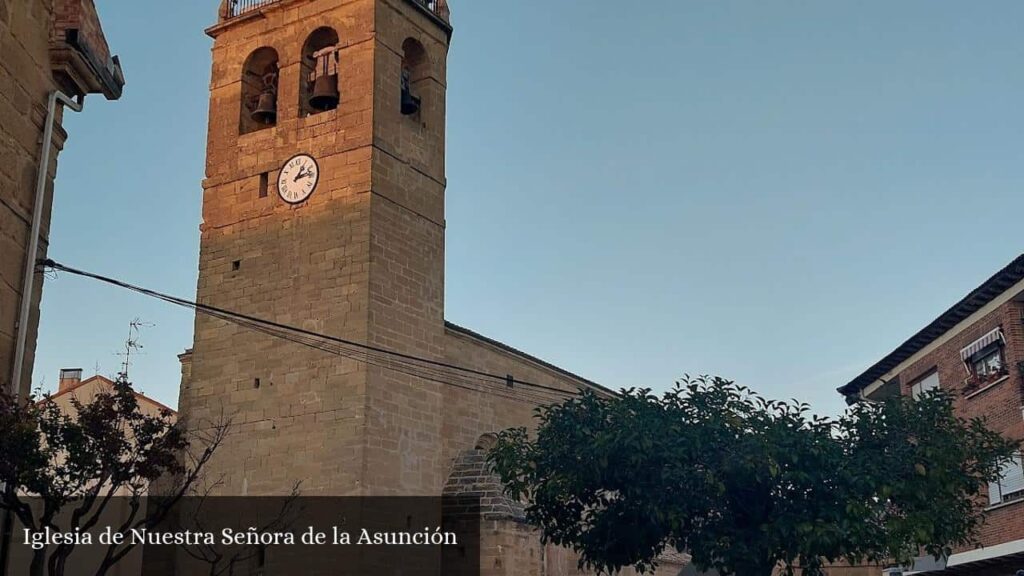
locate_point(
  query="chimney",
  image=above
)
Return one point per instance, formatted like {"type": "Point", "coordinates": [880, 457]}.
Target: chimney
{"type": "Point", "coordinates": [69, 377]}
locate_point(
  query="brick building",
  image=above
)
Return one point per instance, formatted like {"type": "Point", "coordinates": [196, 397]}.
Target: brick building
{"type": "Point", "coordinates": [45, 46]}
{"type": "Point", "coordinates": [976, 351]}
{"type": "Point", "coordinates": [71, 385]}
{"type": "Point", "coordinates": [323, 208]}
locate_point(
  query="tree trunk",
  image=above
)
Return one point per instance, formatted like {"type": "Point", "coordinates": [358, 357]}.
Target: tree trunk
{"type": "Point", "coordinates": [38, 565]}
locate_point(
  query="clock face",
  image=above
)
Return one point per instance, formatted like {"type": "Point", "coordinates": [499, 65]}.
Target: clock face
{"type": "Point", "coordinates": [298, 180]}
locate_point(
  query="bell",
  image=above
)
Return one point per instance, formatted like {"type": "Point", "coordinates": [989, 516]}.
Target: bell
{"type": "Point", "coordinates": [266, 109]}
{"type": "Point", "coordinates": [410, 103]}
{"type": "Point", "coordinates": [325, 93]}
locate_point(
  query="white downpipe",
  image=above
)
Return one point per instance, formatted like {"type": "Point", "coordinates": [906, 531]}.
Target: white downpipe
{"type": "Point", "coordinates": [28, 286]}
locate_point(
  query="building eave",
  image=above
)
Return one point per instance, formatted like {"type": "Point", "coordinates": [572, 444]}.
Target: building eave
{"type": "Point", "coordinates": [106, 382]}
{"type": "Point", "coordinates": [452, 327]}
{"type": "Point", "coordinates": [977, 299]}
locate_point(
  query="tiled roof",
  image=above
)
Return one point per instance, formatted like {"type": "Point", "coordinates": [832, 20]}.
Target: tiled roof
{"type": "Point", "coordinates": [990, 290]}
{"type": "Point", "coordinates": [108, 382]}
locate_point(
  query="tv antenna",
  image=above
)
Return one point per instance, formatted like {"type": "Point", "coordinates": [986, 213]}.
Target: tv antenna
{"type": "Point", "coordinates": [132, 346]}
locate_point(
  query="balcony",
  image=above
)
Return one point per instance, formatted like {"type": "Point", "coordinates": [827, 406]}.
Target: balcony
{"type": "Point", "coordinates": [976, 384]}
{"type": "Point", "coordinates": [235, 8]}
{"type": "Point", "coordinates": [437, 8]}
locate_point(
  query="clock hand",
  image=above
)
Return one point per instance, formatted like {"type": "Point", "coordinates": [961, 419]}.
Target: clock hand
{"type": "Point", "coordinates": [302, 174]}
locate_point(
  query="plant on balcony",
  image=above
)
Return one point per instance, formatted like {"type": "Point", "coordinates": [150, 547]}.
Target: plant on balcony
{"type": "Point", "coordinates": [976, 382]}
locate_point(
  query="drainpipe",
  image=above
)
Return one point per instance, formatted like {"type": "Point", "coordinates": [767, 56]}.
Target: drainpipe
{"type": "Point", "coordinates": [28, 286]}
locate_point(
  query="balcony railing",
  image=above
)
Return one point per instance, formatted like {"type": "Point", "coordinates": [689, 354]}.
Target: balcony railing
{"type": "Point", "coordinates": [235, 8]}
{"type": "Point", "coordinates": [239, 7]}
{"type": "Point", "coordinates": [438, 8]}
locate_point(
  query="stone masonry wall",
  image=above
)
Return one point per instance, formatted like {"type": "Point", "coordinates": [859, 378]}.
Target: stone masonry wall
{"type": "Point", "coordinates": [25, 84]}
{"type": "Point", "coordinates": [469, 414]}
{"type": "Point", "coordinates": [406, 308]}
{"type": "Point", "coordinates": [297, 413]}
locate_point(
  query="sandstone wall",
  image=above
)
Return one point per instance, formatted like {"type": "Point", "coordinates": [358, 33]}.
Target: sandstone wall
{"type": "Point", "coordinates": [25, 84]}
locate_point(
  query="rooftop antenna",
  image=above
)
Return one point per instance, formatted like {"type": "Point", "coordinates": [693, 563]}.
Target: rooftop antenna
{"type": "Point", "coordinates": [131, 346]}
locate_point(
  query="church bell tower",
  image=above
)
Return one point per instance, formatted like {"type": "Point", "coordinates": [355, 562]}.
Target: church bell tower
{"type": "Point", "coordinates": [323, 208]}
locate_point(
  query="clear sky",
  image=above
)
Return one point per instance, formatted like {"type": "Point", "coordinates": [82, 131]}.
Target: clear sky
{"type": "Point", "coordinates": [776, 192]}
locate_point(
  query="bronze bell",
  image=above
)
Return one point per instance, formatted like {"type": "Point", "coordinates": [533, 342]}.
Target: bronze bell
{"type": "Point", "coordinates": [325, 93]}
{"type": "Point", "coordinates": [266, 108]}
{"type": "Point", "coordinates": [410, 103]}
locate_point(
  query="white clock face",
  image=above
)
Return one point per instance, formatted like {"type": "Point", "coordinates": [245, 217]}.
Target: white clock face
{"type": "Point", "coordinates": [298, 180]}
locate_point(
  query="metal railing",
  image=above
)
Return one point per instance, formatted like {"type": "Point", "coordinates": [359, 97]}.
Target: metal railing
{"type": "Point", "coordinates": [438, 8]}
{"type": "Point", "coordinates": [239, 7]}
{"type": "Point", "coordinates": [235, 8]}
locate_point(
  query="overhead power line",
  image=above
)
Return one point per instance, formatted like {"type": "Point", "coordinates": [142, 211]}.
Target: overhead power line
{"type": "Point", "coordinates": [426, 368]}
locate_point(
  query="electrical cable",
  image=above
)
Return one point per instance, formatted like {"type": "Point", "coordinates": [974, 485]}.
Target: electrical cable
{"type": "Point", "coordinates": [426, 368]}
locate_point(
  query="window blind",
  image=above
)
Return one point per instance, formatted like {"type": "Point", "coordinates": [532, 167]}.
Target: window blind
{"type": "Point", "coordinates": [1010, 482]}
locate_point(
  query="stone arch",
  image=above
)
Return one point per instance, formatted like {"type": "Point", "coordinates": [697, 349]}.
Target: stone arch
{"type": "Point", "coordinates": [319, 64]}
{"type": "Point", "coordinates": [415, 69]}
{"type": "Point", "coordinates": [259, 90]}
{"type": "Point", "coordinates": [486, 441]}
{"type": "Point", "coordinates": [472, 476]}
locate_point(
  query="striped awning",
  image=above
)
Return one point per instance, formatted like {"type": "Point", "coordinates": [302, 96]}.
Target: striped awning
{"type": "Point", "coordinates": [980, 344]}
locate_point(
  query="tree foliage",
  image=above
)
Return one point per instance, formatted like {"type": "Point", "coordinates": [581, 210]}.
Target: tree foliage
{"type": "Point", "coordinates": [60, 470]}
{"type": "Point", "coordinates": [744, 484]}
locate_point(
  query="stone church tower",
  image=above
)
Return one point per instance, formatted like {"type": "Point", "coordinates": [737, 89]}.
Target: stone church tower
{"type": "Point", "coordinates": [323, 209]}
{"type": "Point", "coordinates": [362, 258]}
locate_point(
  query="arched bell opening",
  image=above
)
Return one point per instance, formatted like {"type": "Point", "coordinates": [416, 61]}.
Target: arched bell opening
{"type": "Point", "coordinates": [259, 91]}
{"type": "Point", "coordinates": [414, 69]}
{"type": "Point", "coordinates": [318, 80]}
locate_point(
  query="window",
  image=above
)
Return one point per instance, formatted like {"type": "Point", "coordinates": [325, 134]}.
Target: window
{"type": "Point", "coordinates": [988, 362]}
{"type": "Point", "coordinates": [929, 382]}
{"type": "Point", "coordinates": [984, 361]}
{"type": "Point", "coordinates": [1010, 485]}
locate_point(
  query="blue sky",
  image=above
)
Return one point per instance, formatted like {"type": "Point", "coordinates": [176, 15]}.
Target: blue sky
{"type": "Point", "coordinates": [776, 192]}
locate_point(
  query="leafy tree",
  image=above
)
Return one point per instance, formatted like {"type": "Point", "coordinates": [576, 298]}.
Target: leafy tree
{"type": "Point", "coordinates": [61, 471]}
{"type": "Point", "coordinates": [745, 484]}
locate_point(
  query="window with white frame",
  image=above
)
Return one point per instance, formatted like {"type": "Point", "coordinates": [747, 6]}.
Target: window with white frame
{"type": "Point", "coordinates": [929, 382]}
{"type": "Point", "coordinates": [1010, 485]}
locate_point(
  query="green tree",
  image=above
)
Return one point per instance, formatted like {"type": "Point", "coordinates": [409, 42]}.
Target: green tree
{"type": "Point", "coordinates": [62, 470]}
{"type": "Point", "coordinates": [745, 484]}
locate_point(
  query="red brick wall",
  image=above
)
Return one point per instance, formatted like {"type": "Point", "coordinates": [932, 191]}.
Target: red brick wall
{"type": "Point", "coordinates": [1000, 404]}
{"type": "Point", "coordinates": [79, 15]}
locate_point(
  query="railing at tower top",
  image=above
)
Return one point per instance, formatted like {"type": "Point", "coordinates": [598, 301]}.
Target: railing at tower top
{"type": "Point", "coordinates": [438, 8]}
{"type": "Point", "coordinates": [239, 7]}
{"type": "Point", "coordinates": [236, 8]}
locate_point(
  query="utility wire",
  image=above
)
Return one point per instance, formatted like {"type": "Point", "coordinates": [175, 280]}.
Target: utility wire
{"type": "Point", "coordinates": [426, 368]}
{"type": "Point", "coordinates": [405, 367]}
{"type": "Point", "coordinates": [443, 376]}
